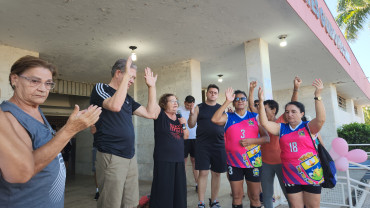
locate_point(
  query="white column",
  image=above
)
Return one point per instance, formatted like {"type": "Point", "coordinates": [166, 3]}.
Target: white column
{"type": "Point", "coordinates": [258, 65]}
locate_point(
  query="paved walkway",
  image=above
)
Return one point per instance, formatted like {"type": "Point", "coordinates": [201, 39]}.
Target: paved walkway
{"type": "Point", "coordinates": [80, 191]}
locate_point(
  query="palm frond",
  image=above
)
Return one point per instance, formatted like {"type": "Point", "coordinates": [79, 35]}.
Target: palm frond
{"type": "Point", "coordinates": [352, 14]}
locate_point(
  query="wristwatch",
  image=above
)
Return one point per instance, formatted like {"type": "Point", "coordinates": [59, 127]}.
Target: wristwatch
{"type": "Point", "coordinates": [317, 98]}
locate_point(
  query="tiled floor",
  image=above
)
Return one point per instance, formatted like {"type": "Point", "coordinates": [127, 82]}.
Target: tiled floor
{"type": "Point", "coordinates": [80, 191]}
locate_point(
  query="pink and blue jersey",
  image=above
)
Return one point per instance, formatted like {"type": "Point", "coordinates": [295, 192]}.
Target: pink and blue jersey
{"type": "Point", "coordinates": [236, 129]}
{"type": "Point", "coordinates": [298, 156]}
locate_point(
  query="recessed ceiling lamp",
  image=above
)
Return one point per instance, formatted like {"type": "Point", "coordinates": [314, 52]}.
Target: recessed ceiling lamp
{"type": "Point", "coordinates": [283, 42]}
{"type": "Point", "coordinates": [133, 54]}
{"type": "Point", "coordinates": [220, 77]}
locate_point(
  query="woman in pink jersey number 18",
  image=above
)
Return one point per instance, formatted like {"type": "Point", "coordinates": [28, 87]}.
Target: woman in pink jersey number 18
{"type": "Point", "coordinates": [242, 143]}
{"type": "Point", "coordinates": [302, 172]}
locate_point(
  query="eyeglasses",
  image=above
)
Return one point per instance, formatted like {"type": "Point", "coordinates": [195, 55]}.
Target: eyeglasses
{"type": "Point", "coordinates": [174, 101]}
{"type": "Point", "coordinates": [34, 82]}
{"type": "Point", "coordinates": [240, 99]}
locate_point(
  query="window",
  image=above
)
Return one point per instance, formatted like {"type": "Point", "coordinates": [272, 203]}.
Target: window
{"type": "Point", "coordinates": [355, 108]}
{"type": "Point", "coordinates": [342, 103]}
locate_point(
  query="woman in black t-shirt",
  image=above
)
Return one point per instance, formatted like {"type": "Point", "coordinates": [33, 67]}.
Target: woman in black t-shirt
{"type": "Point", "coordinates": [169, 179]}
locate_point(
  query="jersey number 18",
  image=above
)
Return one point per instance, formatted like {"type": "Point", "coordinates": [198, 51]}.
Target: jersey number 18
{"type": "Point", "coordinates": [293, 147]}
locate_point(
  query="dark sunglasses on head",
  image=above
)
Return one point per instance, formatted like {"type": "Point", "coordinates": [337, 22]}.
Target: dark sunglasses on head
{"type": "Point", "coordinates": [242, 99]}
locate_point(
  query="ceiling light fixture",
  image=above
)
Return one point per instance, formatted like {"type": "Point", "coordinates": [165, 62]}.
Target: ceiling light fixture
{"type": "Point", "coordinates": [133, 54]}
{"type": "Point", "coordinates": [220, 77]}
{"type": "Point", "coordinates": [283, 42]}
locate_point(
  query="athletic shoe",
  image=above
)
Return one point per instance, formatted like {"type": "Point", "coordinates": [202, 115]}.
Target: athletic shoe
{"type": "Point", "coordinates": [201, 205]}
{"type": "Point", "coordinates": [96, 196]}
{"type": "Point", "coordinates": [215, 204]}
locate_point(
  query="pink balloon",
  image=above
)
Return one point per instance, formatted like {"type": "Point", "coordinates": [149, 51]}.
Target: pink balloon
{"type": "Point", "coordinates": [333, 154]}
{"type": "Point", "coordinates": [341, 164]}
{"type": "Point", "coordinates": [340, 146]}
{"type": "Point", "coordinates": [357, 155]}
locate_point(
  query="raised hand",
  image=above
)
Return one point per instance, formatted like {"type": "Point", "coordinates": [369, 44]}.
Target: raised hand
{"type": "Point", "coordinates": [252, 85]}
{"type": "Point", "coordinates": [129, 72]}
{"type": "Point", "coordinates": [80, 120]}
{"type": "Point", "coordinates": [260, 94]}
{"type": "Point", "coordinates": [297, 82]}
{"type": "Point", "coordinates": [150, 79]}
{"type": "Point", "coordinates": [317, 83]}
{"type": "Point", "coordinates": [229, 93]}
{"type": "Point", "coordinates": [128, 63]}
{"type": "Point", "coordinates": [192, 109]}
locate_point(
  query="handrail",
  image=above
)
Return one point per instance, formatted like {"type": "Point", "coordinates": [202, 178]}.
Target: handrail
{"type": "Point", "coordinates": [358, 144]}
{"type": "Point", "coordinates": [357, 164]}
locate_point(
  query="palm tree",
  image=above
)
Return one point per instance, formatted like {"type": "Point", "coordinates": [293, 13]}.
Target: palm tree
{"type": "Point", "coordinates": [352, 14]}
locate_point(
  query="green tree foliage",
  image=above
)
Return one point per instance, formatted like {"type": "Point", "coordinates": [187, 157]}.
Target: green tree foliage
{"type": "Point", "coordinates": [355, 133]}
{"type": "Point", "coordinates": [352, 14]}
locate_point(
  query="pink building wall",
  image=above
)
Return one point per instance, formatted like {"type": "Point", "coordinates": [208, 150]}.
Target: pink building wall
{"type": "Point", "coordinates": [304, 9]}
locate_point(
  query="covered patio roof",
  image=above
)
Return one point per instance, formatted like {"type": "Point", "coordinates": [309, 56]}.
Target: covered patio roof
{"type": "Point", "coordinates": [84, 38]}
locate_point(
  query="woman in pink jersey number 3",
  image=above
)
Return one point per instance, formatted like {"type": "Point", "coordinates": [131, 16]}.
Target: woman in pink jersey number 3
{"type": "Point", "coordinates": [243, 150]}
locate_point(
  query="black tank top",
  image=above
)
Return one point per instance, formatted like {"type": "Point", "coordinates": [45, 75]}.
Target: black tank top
{"type": "Point", "coordinates": [208, 132]}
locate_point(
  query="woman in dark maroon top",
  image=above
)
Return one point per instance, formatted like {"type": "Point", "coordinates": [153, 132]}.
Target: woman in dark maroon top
{"type": "Point", "coordinates": [169, 179]}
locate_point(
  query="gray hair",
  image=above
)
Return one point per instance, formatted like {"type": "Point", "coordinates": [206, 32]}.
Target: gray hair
{"type": "Point", "coordinates": [120, 65]}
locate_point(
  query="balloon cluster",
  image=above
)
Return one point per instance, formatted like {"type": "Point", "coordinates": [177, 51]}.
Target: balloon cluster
{"type": "Point", "coordinates": [341, 156]}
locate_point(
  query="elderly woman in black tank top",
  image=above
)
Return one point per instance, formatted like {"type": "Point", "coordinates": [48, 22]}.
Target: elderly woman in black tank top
{"type": "Point", "coordinates": [31, 79]}
{"type": "Point", "coordinates": [169, 179]}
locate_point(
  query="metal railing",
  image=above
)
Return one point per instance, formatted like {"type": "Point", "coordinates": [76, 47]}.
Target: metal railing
{"type": "Point", "coordinates": [360, 145]}
{"type": "Point", "coordinates": [350, 191]}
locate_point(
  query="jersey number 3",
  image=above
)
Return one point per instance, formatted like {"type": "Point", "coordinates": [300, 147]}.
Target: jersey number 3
{"type": "Point", "coordinates": [243, 133]}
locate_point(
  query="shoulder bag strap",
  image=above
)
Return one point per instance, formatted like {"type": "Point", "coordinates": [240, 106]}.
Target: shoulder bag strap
{"type": "Point", "coordinates": [311, 137]}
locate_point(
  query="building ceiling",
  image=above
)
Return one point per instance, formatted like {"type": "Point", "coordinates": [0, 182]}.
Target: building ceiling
{"type": "Point", "coordinates": [84, 38]}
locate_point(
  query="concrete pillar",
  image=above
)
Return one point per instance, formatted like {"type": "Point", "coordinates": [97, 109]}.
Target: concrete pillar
{"type": "Point", "coordinates": [351, 109]}
{"type": "Point", "coordinates": [258, 65]}
{"type": "Point", "coordinates": [8, 55]}
{"type": "Point", "coordinates": [361, 115]}
{"type": "Point", "coordinates": [181, 79]}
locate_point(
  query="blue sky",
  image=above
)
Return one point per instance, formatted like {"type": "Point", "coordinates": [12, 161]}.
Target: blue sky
{"type": "Point", "coordinates": [361, 46]}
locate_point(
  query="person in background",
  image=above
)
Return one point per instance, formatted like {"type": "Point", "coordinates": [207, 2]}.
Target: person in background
{"type": "Point", "coordinates": [169, 178]}
{"type": "Point", "coordinates": [38, 181]}
{"type": "Point", "coordinates": [66, 152]}
{"type": "Point", "coordinates": [243, 137]}
{"type": "Point", "coordinates": [210, 147]}
{"type": "Point", "coordinates": [302, 171]}
{"type": "Point", "coordinates": [93, 159]}
{"type": "Point", "coordinates": [189, 144]}
{"type": "Point", "coordinates": [271, 151]}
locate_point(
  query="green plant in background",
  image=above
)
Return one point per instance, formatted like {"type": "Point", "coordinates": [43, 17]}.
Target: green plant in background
{"type": "Point", "coordinates": [355, 133]}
